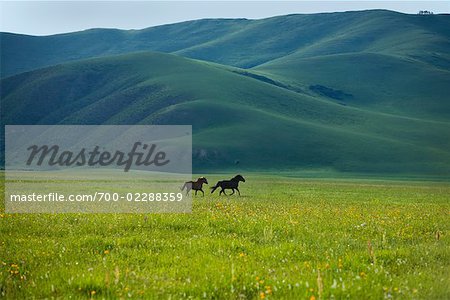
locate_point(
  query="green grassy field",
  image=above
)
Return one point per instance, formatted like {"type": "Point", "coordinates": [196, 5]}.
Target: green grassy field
{"type": "Point", "coordinates": [284, 238]}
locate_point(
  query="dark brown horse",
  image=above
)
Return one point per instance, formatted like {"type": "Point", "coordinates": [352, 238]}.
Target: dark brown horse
{"type": "Point", "coordinates": [195, 185]}
{"type": "Point", "coordinates": [232, 184]}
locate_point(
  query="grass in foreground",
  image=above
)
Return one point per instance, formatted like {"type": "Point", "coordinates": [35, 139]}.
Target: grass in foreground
{"type": "Point", "coordinates": [282, 239]}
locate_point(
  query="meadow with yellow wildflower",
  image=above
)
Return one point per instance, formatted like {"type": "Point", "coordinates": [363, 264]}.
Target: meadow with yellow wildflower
{"type": "Point", "coordinates": [284, 238]}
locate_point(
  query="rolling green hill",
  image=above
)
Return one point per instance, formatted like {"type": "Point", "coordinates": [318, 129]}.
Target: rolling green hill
{"type": "Point", "coordinates": [245, 43]}
{"type": "Point", "coordinates": [379, 82]}
{"type": "Point", "coordinates": [363, 91]}
{"type": "Point", "coordinates": [238, 116]}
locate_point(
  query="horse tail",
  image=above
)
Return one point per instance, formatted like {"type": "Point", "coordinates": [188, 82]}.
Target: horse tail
{"type": "Point", "coordinates": [182, 188]}
{"type": "Point", "coordinates": [214, 187]}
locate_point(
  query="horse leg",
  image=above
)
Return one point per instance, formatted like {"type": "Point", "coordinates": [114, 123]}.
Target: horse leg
{"type": "Point", "coordinates": [237, 189]}
{"type": "Point", "coordinates": [196, 192]}
{"type": "Point", "coordinates": [201, 190]}
{"type": "Point", "coordinates": [232, 192]}
{"type": "Point", "coordinates": [223, 190]}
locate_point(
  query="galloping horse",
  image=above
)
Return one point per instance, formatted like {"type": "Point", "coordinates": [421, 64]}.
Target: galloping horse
{"type": "Point", "coordinates": [195, 185]}
{"type": "Point", "coordinates": [228, 185]}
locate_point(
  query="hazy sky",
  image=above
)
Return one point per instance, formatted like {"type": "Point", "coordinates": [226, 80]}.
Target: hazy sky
{"type": "Point", "coordinates": [50, 17]}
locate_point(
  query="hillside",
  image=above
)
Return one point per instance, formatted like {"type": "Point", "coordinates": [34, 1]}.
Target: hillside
{"type": "Point", "coordinates": [237, 116]}
{"type": "Point", "coordinates": [363, 91]}
{"type": "Point", "coordinates": [245, 43]}
{"type": "Point", "coordinates": [379, 82]}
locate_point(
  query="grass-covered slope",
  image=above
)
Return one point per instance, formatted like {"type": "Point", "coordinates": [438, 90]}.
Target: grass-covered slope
{"type": "Point", "coordinates": [380, 82]}
{"type": "Point", "coordinates": [237, 119]}
{"type": "Point", "coordinates": [245, 43]}
{"type": "Point", "coordinates": [21, 53]}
